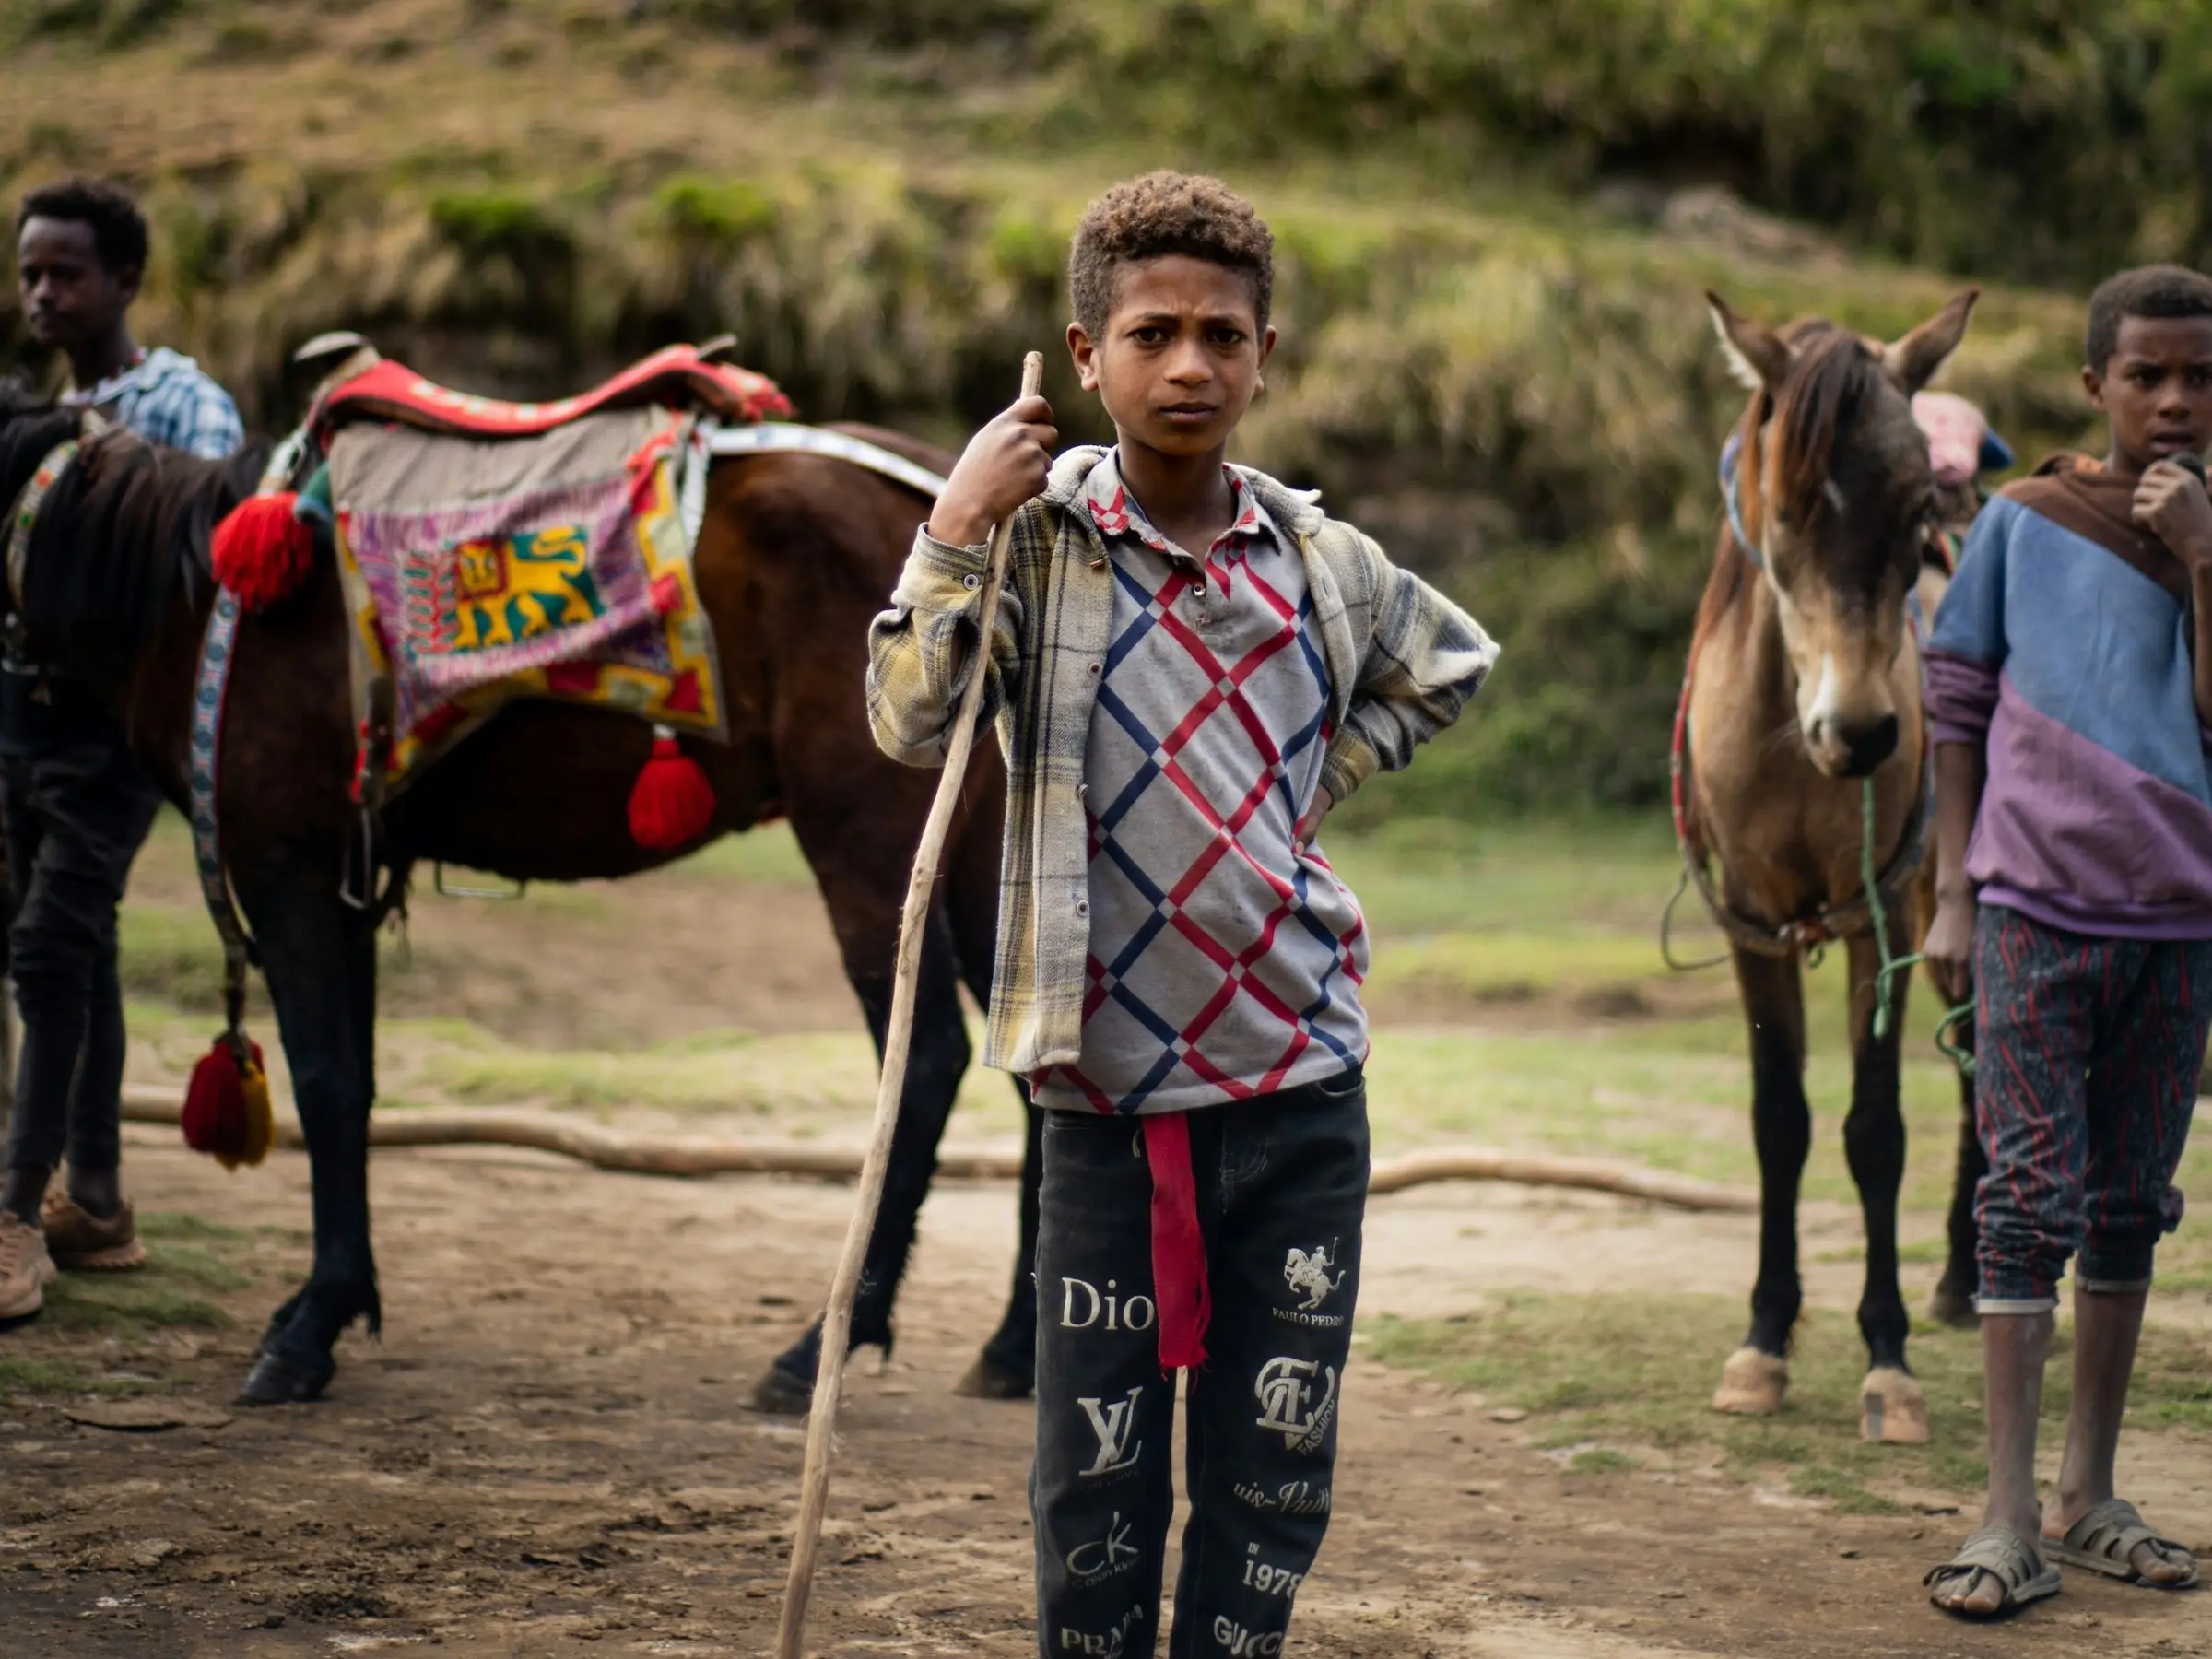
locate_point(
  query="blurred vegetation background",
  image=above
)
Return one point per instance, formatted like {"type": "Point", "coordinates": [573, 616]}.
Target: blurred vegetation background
{"type": "Point", "coordinates": [1496, 218]}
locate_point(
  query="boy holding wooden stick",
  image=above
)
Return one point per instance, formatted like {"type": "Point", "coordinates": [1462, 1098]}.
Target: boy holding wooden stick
{"type": "Point", "coordinates": [1189, 665]}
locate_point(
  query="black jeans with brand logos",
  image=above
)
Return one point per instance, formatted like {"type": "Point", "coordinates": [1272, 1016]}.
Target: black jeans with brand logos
{"type": "Point", "coordinates": [1282, 1188]}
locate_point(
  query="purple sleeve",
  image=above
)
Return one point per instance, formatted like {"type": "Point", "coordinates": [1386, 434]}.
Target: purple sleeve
{"type": "Point", "coordinates": [1961, 695]}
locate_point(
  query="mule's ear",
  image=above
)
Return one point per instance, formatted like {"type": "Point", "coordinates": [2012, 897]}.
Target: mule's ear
{"type": "Point", "coordinates": [1912, 361]}
{"type": "Point", "coordinates": [1757, 356]}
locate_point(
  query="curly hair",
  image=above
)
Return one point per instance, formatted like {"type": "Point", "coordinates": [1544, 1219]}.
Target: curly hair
{"type": "Point", "coordinates": [118, 228]}
{"type": "Point", "coordinates": [1159, 213]}
{"type": "Point", "coordinates": [2159, 290]}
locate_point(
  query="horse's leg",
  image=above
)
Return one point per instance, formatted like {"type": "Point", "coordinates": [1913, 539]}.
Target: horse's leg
{"type": "Point", "coordinates": [1007, 1368]}
{"type": "Point", "coordinates": [319, 957]}
{"type": "Point", "coordinates": [1758, 1373]}
{"type": "Point", "coordinates": [936, 1058]}
{"type": "Point", "coordinates": [1890, 1406]}
{"type": "Point", "coordinates": [1953, 1303]}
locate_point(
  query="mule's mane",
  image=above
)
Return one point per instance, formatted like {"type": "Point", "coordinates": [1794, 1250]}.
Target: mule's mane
{"type": "Point", "coordinates": [122, 525]}
{"type": "Point", "coordinates": [1830, 379]}
{"type": "Point", "coordinates": [1833, 372]}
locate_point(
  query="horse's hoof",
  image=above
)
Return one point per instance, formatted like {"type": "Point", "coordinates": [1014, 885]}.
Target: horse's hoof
{"type": "Point", "coordinates": [275, 1380]}
{"type": "Point", "coordinates": [782, 1394]}
{"type": "Point", "coordinates": [1892, 1410]}
{"type": "Point", "coordinates": [1752, 1383]}
{"type": "Point", "coordinates": [1953, 1307]}
{"type": "Point", "coordinates": [988, 1380]}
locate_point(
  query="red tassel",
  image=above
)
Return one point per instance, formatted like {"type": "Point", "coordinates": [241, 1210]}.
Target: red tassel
{"type": "Point", "coordinates": [261, 551]}
{"type": "Point", "coordinates": [672, 802]}
{"type": "Point", "coordinates": [220, 1115]}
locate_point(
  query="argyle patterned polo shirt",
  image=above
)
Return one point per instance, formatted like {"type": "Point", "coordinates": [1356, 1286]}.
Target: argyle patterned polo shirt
{"type": "Point", "coordinates": [1223, 964]}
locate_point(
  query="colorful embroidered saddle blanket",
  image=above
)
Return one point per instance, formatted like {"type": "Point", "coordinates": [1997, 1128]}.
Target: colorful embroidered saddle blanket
{"type": "Point", "coordinates": [676, 377]}
{"type": "Point", "coordinates": [477, 571]}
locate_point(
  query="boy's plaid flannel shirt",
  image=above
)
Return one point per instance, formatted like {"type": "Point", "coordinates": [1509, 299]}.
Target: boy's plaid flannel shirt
{"type": "Point", "coordinates": [1403, 661]}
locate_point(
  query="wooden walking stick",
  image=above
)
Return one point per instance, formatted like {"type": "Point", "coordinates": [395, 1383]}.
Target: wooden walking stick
{"type": "Point", "coordinates": [837, 1321]}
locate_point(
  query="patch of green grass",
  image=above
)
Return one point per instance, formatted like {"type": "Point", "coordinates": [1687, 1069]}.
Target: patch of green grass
{"type": "Point", "coordinates": [29, 1374]}
{"type": "Point", "coordinates": [1600, 1460]}
{"type": "Point", "coordinates": [767, 852]}
{"type": "Point", "coordinates": [128, 1304]}
{"type": "Point", "coordinates": [1845, 1493]}
{"type": "Point", "coordinates": [492, 221]}
{"type": "Point", "coordinates": [182, 1226]}
{"type": "Point", "coordinates": [1508, 967]}
{"type": "Point", "coordinates": [189, 1260]}
{"type": "Point", "coordinates": [825, 1081]}
{"type": "Point", "coordinates": [1641, 1369]}
{"type": "Point", "coordinates": [169, 955]}
{"type": "Point", "coordinates": [1422, 876]}
{"type": "Point", "coordinates": [719, 211]}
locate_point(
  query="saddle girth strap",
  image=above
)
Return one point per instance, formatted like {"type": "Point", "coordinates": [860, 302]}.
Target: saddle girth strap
{"type": "Point", "coordinates": [210, 687]}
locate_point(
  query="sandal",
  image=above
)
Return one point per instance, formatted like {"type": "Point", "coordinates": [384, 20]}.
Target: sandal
{"type": "Point", "coordinates": [2005, 1556]}
{"type": "Point", "coordinates": [2105, 1540]}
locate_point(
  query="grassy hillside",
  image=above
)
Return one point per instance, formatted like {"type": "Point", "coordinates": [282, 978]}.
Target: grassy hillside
{"type": "Point", "coordinates": [1510, 382]}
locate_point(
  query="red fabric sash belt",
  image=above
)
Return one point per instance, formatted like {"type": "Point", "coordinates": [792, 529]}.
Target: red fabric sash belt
{"type": "Point", "coordinates": [1178, 1287]}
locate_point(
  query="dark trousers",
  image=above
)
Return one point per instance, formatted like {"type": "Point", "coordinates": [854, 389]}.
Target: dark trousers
{"type": "Point", "coordinates": [77, 808]}
{"type": "Point", "coordinates": [1282, 1189]}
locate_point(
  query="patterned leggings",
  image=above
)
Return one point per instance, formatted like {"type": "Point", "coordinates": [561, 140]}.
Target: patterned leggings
{"type": "Point", "coordinates": [2090, 1053]}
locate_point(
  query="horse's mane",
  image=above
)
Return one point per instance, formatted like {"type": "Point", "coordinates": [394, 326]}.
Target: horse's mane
{"type": "Point", "coordinates": [116, 534]}
{"type": "Point", "coordinates": [1831, 375]}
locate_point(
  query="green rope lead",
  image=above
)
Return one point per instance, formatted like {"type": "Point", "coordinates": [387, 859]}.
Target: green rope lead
{"type": "Point", "coordinates": [1893, 965]}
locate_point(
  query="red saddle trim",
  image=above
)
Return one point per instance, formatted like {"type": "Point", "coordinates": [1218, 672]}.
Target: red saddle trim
{"type": "Point", "coordinates": [674, 376]}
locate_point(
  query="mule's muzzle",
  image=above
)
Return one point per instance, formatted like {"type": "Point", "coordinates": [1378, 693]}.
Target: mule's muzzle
{"type": "Point", "coordinates": [1853, 749]}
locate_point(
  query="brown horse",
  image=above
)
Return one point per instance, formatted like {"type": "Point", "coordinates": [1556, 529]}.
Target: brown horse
{"type": "Point", "coordinates": [797, 553]}
{"type": "Point", "coordinates": [1803, 705]}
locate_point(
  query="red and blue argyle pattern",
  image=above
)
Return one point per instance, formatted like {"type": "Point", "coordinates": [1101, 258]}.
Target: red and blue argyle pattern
{"type": "Point", "coordinates": [1223, 964]}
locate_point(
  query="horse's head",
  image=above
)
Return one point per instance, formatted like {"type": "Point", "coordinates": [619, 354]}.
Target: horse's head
{"type": "Point", "coordinates": [1834, 495]}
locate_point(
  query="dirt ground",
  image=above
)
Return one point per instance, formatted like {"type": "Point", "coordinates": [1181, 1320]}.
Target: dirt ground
{"type": "Point", "coordinates": [548, 1455]}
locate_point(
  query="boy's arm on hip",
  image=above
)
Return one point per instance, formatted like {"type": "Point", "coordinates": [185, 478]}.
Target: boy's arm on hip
{"type": "Point", "coordinates": [1422, 659]}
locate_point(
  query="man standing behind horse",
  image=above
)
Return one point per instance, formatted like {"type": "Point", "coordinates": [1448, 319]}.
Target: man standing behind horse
{"type": "Point", "coordinates": [77, 805]}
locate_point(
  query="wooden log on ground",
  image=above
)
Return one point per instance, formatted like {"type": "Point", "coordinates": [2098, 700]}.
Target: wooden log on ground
{"type": "Point", "coordinates": [588, 1143]}
{"type": "Point", "coordinates": [645, 1155]}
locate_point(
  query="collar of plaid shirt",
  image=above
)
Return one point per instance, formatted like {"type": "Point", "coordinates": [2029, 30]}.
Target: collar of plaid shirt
{"type": "Point", "coordinates": [1116, 512]}
{"type": "Point", "coordinates": [143, 372]}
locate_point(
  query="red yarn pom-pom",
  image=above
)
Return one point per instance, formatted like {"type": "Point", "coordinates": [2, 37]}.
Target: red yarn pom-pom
{"type": "Point", "coordinates": [261, 550]}
{"type": "Point", "coordinates": [672, 802]}
{"type": "Point", "coordinates": [226, 1108]}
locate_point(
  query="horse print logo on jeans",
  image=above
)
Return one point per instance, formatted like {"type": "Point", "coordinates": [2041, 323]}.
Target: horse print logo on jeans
{"type": "Point", "coordinates": [1285, 1388]}
{"type": "Point", "coordinates": [1307, 1273]}
{"type": "Point", "coordinates": [1113, 1426]}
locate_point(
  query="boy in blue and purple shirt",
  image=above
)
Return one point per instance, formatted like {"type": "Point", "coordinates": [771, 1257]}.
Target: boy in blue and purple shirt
{"type": "Point", "coordinates": [2070, 693]}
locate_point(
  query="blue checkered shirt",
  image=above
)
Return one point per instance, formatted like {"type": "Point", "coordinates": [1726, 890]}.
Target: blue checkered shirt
{"type": "Point", "coordinates": [166, 398]}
